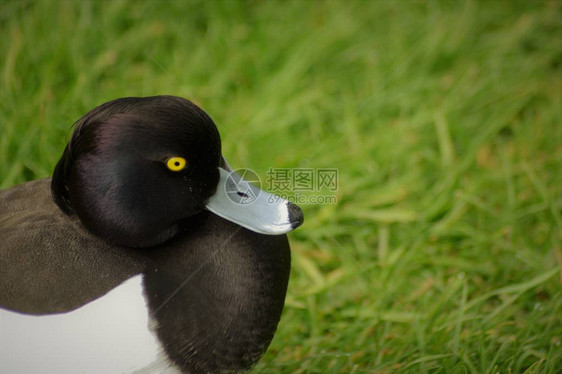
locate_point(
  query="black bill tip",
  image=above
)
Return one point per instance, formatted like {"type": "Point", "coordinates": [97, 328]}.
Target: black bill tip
{"type": "Point", "coordinates": [296, 218]}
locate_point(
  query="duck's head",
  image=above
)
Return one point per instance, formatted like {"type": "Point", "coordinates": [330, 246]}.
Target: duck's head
{"type": "Point", "coordinates": [135, 168]}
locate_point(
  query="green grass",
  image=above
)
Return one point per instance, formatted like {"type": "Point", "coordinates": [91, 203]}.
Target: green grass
{"type": "Point", "coordinates": [443, 253]}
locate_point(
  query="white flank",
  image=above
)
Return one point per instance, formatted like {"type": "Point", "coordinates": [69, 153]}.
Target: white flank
{"type": "Point", "coordinates": [108, 335]}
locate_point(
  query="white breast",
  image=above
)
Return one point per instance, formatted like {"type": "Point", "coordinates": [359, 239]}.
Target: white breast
{"type": "Point", "coordinates": [108, 335]}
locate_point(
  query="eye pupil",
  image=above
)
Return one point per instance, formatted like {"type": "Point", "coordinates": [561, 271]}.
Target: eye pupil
{"type": "Point", "coordinates": [177, 163]}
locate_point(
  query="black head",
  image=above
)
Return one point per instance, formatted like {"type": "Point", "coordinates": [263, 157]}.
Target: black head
{"type": "Point", "coordinates": [117, 176]}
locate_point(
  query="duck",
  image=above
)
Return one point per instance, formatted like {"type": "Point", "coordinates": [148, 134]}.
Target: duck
{"type": "Point", "coordinates": [145, 252]}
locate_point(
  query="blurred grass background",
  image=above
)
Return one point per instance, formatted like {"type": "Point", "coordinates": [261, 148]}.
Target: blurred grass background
{"type": "Point", "coordinates": [444, 119]}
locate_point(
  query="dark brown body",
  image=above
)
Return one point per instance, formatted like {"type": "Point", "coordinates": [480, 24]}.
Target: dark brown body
{"type": "Point", "coordinates": [216, 290]}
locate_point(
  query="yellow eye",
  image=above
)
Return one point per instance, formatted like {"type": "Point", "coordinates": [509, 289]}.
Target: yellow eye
{"type": "Point", "coordinates": [176, 163]}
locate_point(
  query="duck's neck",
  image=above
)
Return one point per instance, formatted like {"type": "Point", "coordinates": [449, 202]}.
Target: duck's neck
{"type": "Point", "coordinates": [216, 295]}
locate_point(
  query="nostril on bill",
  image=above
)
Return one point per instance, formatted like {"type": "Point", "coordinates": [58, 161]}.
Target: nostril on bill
{"type": "Point", "coordinates": [242, 194]}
